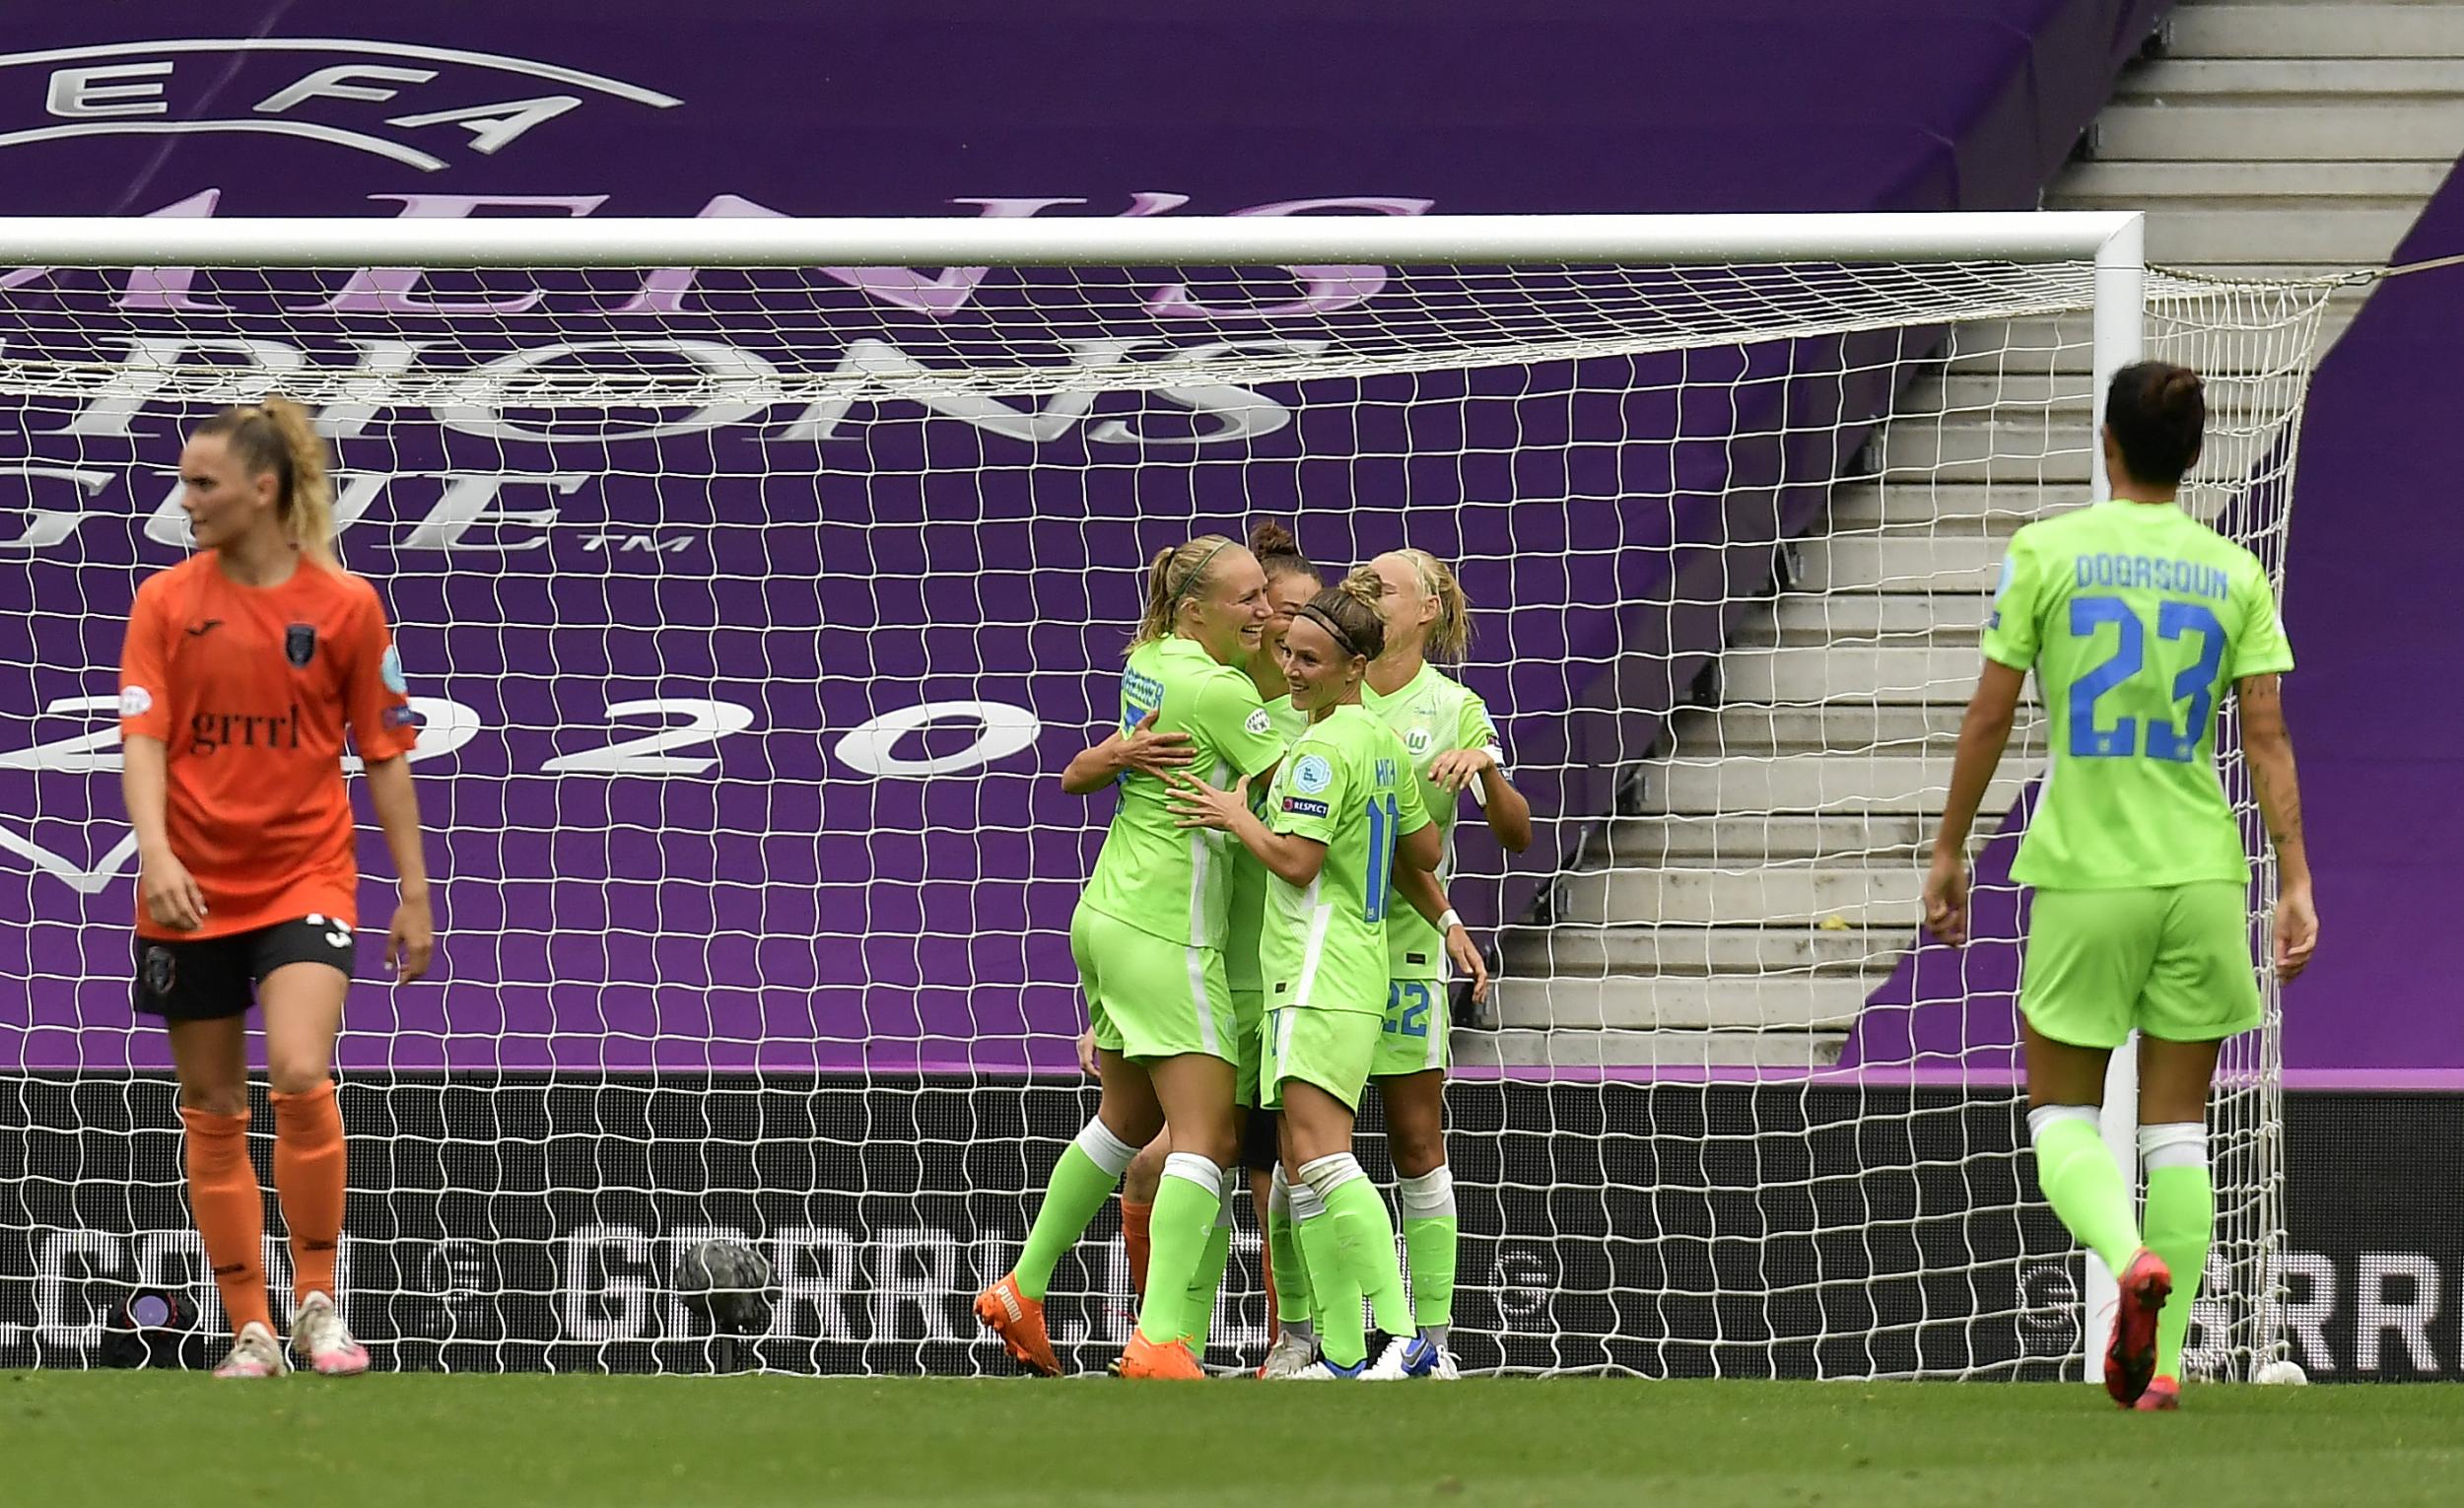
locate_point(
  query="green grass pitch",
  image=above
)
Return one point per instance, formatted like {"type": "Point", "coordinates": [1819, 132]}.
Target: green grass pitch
{"type": "Point", "coordinates": [128, 1440]}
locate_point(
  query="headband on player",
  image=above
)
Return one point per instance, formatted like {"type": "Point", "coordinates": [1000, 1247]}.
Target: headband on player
{"type": "Point", "coordinates": [1334, 630]}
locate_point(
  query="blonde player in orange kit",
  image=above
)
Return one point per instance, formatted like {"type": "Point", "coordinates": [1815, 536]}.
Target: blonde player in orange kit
{"type": "Point", "coordinates": [243, 666]}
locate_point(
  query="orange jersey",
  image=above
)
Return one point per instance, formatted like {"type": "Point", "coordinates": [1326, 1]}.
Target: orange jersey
{"type": "Point", "coordinates": [249, 689]}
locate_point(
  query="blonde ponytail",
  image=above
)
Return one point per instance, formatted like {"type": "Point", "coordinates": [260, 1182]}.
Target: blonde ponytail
{"type": "Point", "coordinates": [275, 436]}
{"type": "Point", "coordinates": [1450, 632]}
{"type": "Point", "coordinates": [1174, 577]}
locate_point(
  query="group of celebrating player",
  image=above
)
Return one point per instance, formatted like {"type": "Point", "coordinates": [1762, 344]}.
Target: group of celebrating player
{"type": "Point", "coordinates": [1247, 973]}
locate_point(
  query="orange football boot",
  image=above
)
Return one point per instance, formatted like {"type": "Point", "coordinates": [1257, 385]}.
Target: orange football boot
{"type": "Point", "coordinates": [2130, 1360]}
{"type": "Point", "coordinates": [1145, 1359]}
{"type": "Point", "coordinates": [1019, 1321]}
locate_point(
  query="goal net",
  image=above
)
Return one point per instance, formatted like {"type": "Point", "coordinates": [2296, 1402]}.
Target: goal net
{"type": "Point", "coordinates": [754, 580]}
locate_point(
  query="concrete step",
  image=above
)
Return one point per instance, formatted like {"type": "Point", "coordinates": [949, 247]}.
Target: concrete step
{"type": "Point", "coordinates": [2010, 447]}
{"type": "Point", "coordinates": [2309, 29]}
{"type": "Point", "coordinates": [2411, 132]}
{"type": "Point", "coordinates": [1944, 507]}
{"type": "Point", "coordinates": [1864, 619]}
{"type": "Point", "coordinates": [1567, 1048]}
{"type": "Point", "coordinates": [2161, 188]}
{"type": "Point", "coordinates": [1570, 952]}
{"type": "Point", "coordinates": [2189, 235]}
{"type": "Point", "coordinates": [1845, 677]}
{"type": "Point", "coordinates": [1842, 727]}
{"type": "Point", "coordinates": [1969, 392]}
{"type": "Point", "coordinates": [2061, 345]}
{"type": "Point", "coordinates": [1911, 562]}
{"type": "Point", "coordinates": [1789, 1007]}
{"type": "Point", "coordinates": [2184, 79]}
{"type": "Point", "coordinates": [1735, 840]}
{"type": "Point", "coordinates": [1839, 784]}
{"type": "Point", "coordinates": [1861, 895]}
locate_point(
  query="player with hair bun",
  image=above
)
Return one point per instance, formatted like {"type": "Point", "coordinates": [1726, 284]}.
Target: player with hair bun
{"type": "Point", "coordinates": [1340, 812]}
{"type": "Point", "coordinates": [242, 670]}
{"type": "Point", "coordinates": [1452, 742]}
{"type": "Point", "coordinates": [2137, 619]}
{"type": "Point", "coordinates": [1148, 937]}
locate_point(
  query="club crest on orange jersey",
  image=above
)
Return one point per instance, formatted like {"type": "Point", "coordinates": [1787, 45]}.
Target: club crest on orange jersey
{"type": "Point", "coordinates": [298, 645]}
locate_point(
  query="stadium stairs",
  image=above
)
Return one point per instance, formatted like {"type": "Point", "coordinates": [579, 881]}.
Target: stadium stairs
{"type": "Point", "coordinates": [1767, 877]}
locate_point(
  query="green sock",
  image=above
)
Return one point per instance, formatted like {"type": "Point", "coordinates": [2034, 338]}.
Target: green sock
{"type": "Point", "coordinates": [1079, 1188]}
{"type": "Point", "coordinates": [1293, 1297]}
{"type": "Point", "coordinates": [1185, 1214]}
{"type": "Point", "coordinates": [1340, 1337]}
{"type": "Point", "coordinates": [1430, 1237]}
{"type": "Point", "coordinates": [1199, 1313]}
{"type": "Point", "coordinates": [2083, 1184]}
{"type": "Point", "coordinates": [1368, 1248]}
{"type": "Point", "coordinates": [2181, 1214]}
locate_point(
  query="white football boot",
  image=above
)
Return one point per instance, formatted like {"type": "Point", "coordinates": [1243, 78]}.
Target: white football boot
{"type": "Point", "coordinates": [1289, 1353]}
{"type": "Point", "coordinates": [1402, 1356]}
{"type": "Point", "coordinates": [323, 1341]}
{"type": "Point", "coordinates": [255, 1353]}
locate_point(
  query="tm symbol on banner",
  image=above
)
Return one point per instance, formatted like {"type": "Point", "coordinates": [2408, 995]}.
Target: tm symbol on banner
{"type": "Point", "coordinates": [635, 539]}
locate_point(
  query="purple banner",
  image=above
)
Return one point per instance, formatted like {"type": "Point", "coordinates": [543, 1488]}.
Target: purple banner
{"type": "Point", "coordinates": [741, 721]}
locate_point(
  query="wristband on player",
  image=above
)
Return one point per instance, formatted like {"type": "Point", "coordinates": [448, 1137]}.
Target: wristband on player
{"type": "Point", "coordinates": [1449, 921]}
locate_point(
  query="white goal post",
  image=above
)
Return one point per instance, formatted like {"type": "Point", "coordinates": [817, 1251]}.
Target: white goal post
{"type": "Point", "coordinates": [753, 574]}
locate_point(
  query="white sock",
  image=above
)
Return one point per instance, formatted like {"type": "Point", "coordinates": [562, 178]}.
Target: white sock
{"type": "Point", "coordinates": [2046, 1116]}
{"type": "Point", "coordinates": [1327, 1174]}
{"type": "Point", "coordinates": [2173, 1144]}
{"type": "Point", "coordinates": [1430, 1196]}
{"type": "Point", "coordinates": [1197, 1170]}
{"type": "Point", "coordinates": [1106, 1150]}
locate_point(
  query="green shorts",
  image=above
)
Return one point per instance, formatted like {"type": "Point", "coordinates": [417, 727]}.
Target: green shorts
{"type": "Point", "coordinates": [1249, 1029]}
{"type": "Point", "coordinates": [2173, 962]}
{"type": "Point", "coordinates": [1149, 998]}
{"type": "Point", "coordinates": [1330, 1049]}
{"type": "Point", "coordinates": [1418, 1022]}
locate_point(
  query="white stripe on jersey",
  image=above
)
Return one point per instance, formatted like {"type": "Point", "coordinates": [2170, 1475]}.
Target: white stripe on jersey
{"type": "Point", "coordinates": [1319, 914]}
{"type": "Point", "coordinates": [1197, 958]}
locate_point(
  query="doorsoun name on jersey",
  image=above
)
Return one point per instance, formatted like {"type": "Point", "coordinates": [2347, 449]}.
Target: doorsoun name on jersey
{"type": "Point", "coordinates": [2183, 575]}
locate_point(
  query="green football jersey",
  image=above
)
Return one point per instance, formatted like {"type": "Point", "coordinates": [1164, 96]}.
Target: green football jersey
{"type": "Point", "coordinates": [1173, 881]}
{"type": "Point", "coordinates": [1433, 714]}
{"type": "Point", "coordinates": [1347, 783]}
{"type": "Point", "coordinates": [1249, 874]}
{"type": "Point", "coordinates": [2135, 618]}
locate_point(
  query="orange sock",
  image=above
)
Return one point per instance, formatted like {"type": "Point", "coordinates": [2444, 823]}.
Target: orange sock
{"type": "Point", "coordinates": [1135, 1220]}
{"type": "Point", "coordinates": [230, 1211]}
{"type": "Point", "coordinates": [312, 1171]}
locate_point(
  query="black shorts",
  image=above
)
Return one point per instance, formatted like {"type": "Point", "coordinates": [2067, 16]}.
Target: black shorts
{"type": "Point", "coordinates": [1257, 1151]}
{"type": "Point", "coordinates": [207, 979]}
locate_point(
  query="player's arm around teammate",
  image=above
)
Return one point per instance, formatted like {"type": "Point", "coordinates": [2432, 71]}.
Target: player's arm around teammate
{"type": "Point", "coordinates": [242, 668]}
{"type": "Point", "coordinates": [2136, 619]}
{"type": "Point", "coordinates": [1148, 939]}
{"type": "Point", "coordinates": [1341, 801]}
{"type": "Point", "coordinates": [1292, 580]}
{"type": "Point", "coordinates": [1453, 743]}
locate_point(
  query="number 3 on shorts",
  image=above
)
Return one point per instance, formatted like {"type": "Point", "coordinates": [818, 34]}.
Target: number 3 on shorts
{"type": "Point", "coordinates": [337, 936]}
{"type": "Point", "coordinates": [1407, 1005]}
